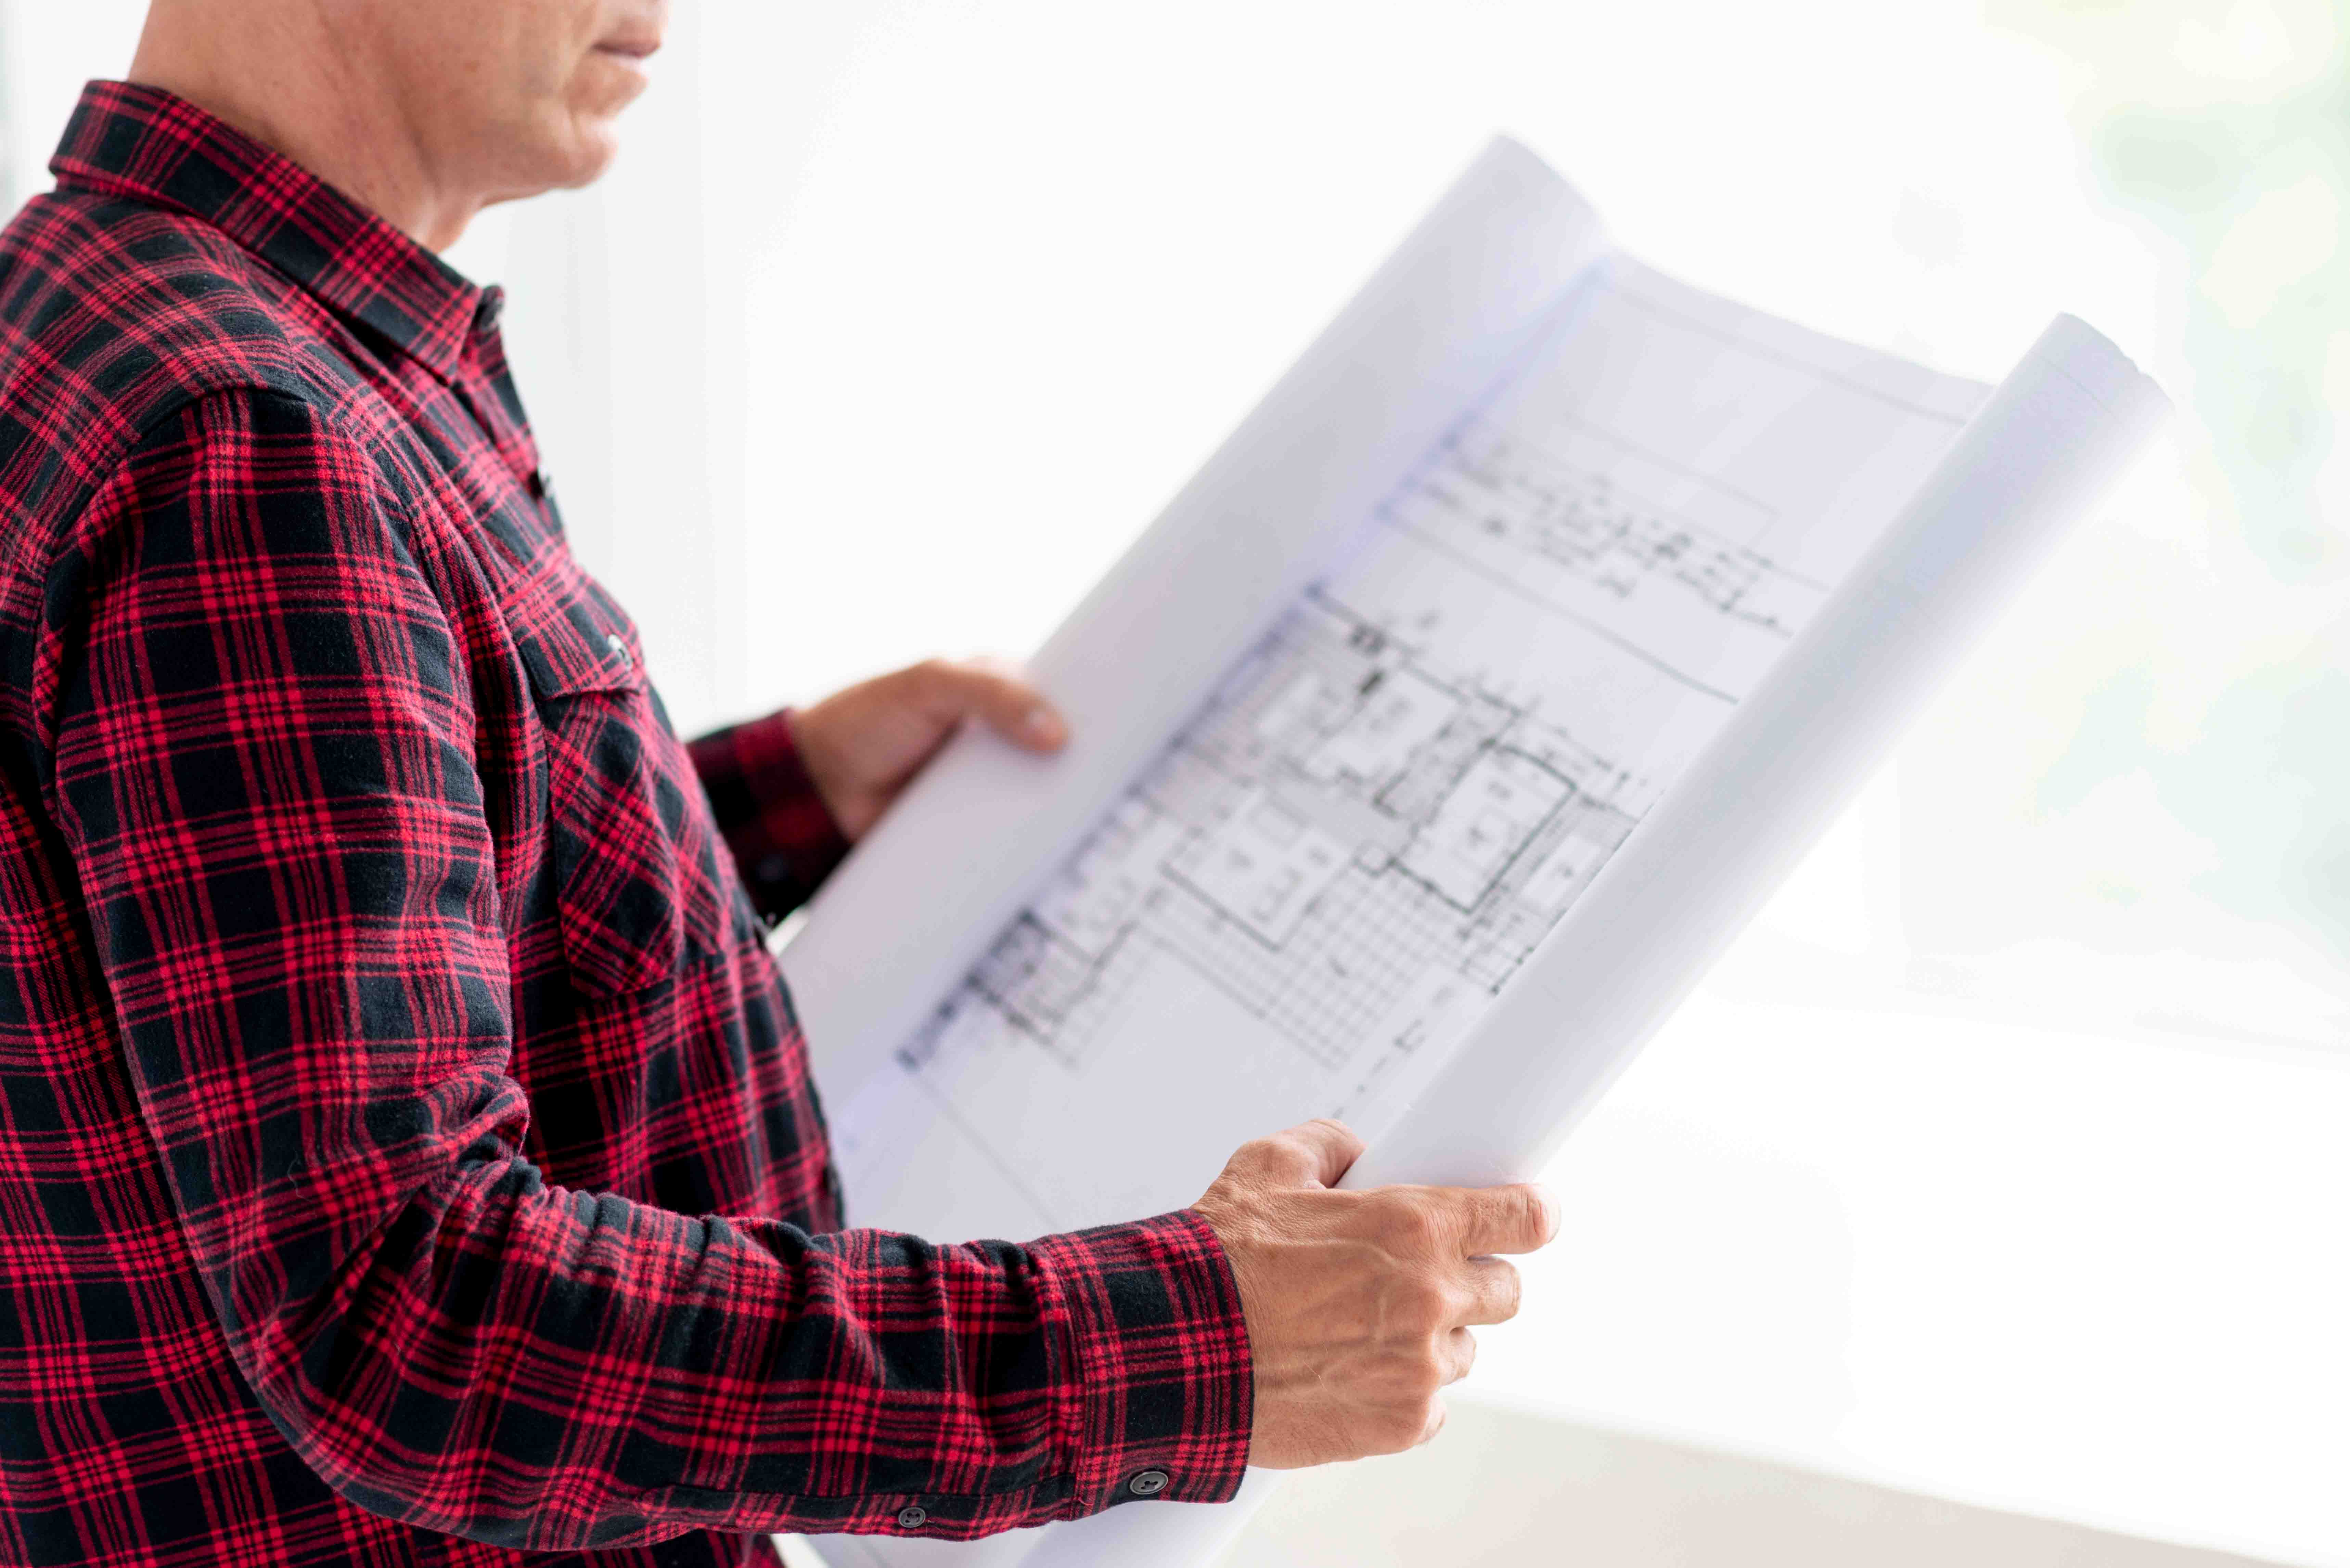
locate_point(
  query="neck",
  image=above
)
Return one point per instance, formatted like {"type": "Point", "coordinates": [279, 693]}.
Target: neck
{"type": "Point", "coordinates": [280, 73]}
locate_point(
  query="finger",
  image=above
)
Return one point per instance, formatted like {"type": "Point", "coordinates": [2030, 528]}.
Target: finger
{"type": "Point", "coordinates": [1436, 1419]}
{"type": "Point", "coordinates": [1494, 1292]}
{"type": "Point", "coordinates": [1459, 1354]}
{"type": "Point", "coordinates": [1000, 698]}
{"type": "Point", "coordinates": [1313, 1154]}
{"type": "Point", "coordinates": [1516, 1218]}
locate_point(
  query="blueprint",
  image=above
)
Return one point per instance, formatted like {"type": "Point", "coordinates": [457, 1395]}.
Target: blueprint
{"type": "Point", "coordinates": [1355, 846]}
{"type": "Point", "coordinates": [1324, 878]}
{"type": "Point", "coordinates": [1446, 726]}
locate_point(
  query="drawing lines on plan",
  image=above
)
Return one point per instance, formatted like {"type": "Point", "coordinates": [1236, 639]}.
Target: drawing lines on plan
{"type": "Point", "coordinates": [1598, 542]}
{"type": "Point", "coordinates": [1355, 843]}
{"type": "Point", "coordinates": [1589, 523]}
{"type": "Point", "coordinates": [1341, 823]}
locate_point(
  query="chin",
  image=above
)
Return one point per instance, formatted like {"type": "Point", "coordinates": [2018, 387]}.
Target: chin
{"type": "Point", "coordinates": [582, 157]}
{"type": "Point", "coordinates": [595, 155]}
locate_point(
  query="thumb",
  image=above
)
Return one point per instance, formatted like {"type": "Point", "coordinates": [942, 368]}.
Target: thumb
{"type": "Point", "coordinates": [1312, 1154]}
{"type": "Point", "coordinates": [1000, 698]}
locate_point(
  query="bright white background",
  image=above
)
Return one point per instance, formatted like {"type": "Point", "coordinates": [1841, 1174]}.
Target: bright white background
{"type": "Point", "coordinates": [2006, 1157]}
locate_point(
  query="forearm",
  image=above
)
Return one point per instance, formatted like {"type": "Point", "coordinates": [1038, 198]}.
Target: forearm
{"type": "Point", "coordinates": [543, 1369]}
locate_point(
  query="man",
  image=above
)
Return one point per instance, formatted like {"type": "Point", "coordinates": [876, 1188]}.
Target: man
{"type": "Point", "coordinates": [408, 1153]}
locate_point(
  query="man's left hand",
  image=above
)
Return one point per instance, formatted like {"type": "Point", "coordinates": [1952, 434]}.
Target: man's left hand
{"type": "Point", "coordinates": [865, 744]}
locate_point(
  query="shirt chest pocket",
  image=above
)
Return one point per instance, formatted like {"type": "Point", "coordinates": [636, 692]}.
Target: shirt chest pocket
{"type": "Point", "coordinates": [629, 845]}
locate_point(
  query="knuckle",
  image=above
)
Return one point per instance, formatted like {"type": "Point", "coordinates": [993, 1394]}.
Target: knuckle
{"type": "Point", "coordinates": [1260, 1150]}
{"type": "Point", "coordinates": [1414, 1221]}
{"type": "Point", "coordinates": [1283, 1148]}
{"type": "Point", "coordinates": [1429, 1308]}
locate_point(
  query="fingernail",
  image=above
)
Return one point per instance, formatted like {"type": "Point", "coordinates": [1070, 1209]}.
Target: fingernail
{"type": "Point", "coordinates": [1044, 726]}
{"type": "Point", "coordinates": [1551, 1211]}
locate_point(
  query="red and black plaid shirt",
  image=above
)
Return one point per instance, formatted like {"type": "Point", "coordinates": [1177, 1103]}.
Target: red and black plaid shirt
{"type": "Point", "coordinates": [406, 1154]}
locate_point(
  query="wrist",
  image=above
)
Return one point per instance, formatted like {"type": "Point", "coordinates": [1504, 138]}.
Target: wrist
{"type": "Point", "coordinates": [1160, 1362]}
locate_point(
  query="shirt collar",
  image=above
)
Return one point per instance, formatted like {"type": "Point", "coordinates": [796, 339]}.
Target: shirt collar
{"type": "Point", "coordinates": [126, 140]}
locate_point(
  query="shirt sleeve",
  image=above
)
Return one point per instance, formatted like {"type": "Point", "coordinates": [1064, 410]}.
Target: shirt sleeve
{"type": "Point", "coordinates": [264, 745]}
{"type": "Point", "coordinates": [783, 835]}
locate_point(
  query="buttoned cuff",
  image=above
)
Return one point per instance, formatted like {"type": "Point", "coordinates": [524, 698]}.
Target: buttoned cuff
{"type": "Point", "coordinates": [783, 838]}
{"type": "Point", "coordinates": [1165, 1387]}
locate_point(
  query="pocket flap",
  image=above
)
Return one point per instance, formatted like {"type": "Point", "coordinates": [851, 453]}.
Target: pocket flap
{"type": "Point", "coordinates": [572, 637]}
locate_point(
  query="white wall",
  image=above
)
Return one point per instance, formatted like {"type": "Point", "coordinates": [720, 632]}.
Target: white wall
{"type": "Point", "coordinates": [624, 324]}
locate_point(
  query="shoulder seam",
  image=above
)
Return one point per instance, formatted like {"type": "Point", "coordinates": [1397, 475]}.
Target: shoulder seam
{"type": "Point", "coordinates": [178, 408]}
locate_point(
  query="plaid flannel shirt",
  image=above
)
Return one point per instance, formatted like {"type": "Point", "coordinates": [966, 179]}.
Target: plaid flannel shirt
{"type": "Point", "coordinates": [406, 1154]}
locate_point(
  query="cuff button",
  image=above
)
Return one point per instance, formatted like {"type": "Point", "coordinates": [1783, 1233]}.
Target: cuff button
{"type": "Point", "coordinates": [913, 1518]}
{"type": "Point", "coordinates": [1149, 1483]}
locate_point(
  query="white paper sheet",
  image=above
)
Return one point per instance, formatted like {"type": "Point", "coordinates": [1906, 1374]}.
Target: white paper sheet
{"type": "Point", "coordinates": [1458, 301]}
{"type": "Point", "coordinates": [2053, 436]}
{"type": "Point", "coordinates": [1324, 882]}
{"type": "Point", "coordinates": [1445, 739]}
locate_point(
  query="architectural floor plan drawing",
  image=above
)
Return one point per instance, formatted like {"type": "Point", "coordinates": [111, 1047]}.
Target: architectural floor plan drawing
{"type": "Point", "coordinates": [1356, 844]}
{"type": "Point", "coordinates": [1443, 730]}
{"type": "Point", "coordinates": [1327, 876]}
{"type": "Point", "coordinates": [1353, 846]}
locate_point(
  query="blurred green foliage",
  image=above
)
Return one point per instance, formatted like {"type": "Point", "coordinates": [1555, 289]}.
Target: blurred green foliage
{"type": "Point", "coordinates": [2221, 128]}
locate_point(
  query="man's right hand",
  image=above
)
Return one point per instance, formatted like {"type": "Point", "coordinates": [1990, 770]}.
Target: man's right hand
{"type": "Point", "coordinates": [1358, 1303]}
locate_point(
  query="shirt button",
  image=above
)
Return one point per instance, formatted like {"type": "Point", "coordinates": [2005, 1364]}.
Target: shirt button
{"type": "Point", "coordinates": [1149, 1483]}
{"type": "Point", "coordinates": [542, 484]}
{"type": "Point", "coordinates": [913, 1518]}
{"type": "Point", "coordinates": [617, 644]}
{"type": "Point", "coordinates": [492, 304]}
